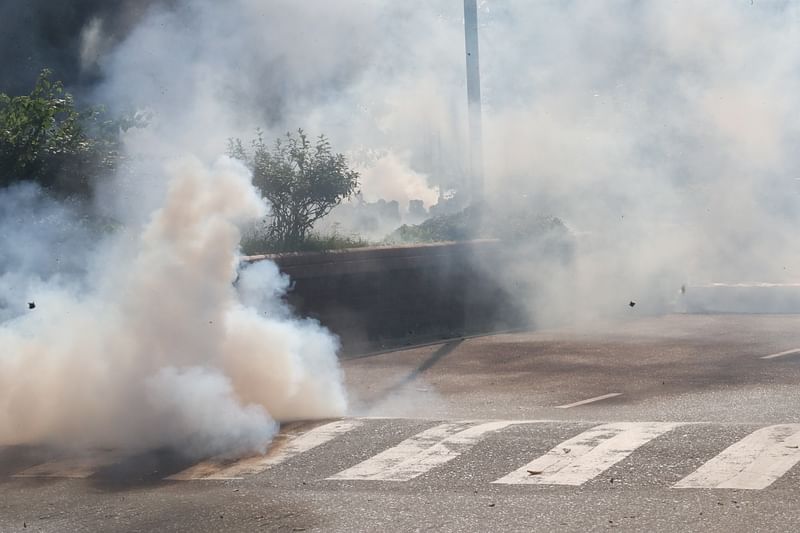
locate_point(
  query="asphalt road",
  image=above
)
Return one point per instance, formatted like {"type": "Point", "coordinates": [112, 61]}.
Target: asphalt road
{"type": "Point", "coordinates": [673, 423]}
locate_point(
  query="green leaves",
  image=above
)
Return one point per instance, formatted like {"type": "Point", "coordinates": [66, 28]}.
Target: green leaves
{"type": "Point", "coordinates": [301, 179]}
{"type": "Point", "coordinates": [44, 138]}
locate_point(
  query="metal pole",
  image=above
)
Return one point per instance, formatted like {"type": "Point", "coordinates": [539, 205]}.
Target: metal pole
{"type": "Point", "coordinates": [474, 100]}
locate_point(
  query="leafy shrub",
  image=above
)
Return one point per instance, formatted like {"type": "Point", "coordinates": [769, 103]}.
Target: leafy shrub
{"type": "Point", "coordinates": [301, 180]}
{"type": "Point", "coordinates": [44, 138]}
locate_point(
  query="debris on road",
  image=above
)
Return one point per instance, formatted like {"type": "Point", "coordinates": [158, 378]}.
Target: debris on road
{"type": "Point", "coordinates": [534, 472]}
{"type": "Point", "coordinates": [31, 305]}
{"type": "Point", "coordinates": [632, 304]}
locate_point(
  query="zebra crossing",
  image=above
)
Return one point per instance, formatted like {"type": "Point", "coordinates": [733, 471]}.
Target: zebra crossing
{"type": "Point", "coordinates": [755, 461]}
{"type": "Point", "coordinates": [286, 445]}
{"type": "Point", "coordinates": [587, 455]}
{"type": "Point", "coordinates": [421, 453]}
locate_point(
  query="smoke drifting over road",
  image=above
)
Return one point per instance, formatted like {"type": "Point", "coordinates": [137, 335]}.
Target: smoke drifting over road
{"type": "Point", "coordinates": [664, 134]}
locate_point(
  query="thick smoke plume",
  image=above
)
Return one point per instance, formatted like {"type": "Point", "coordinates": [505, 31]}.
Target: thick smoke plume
{"type": "Point", "coordinates": [163, 350]}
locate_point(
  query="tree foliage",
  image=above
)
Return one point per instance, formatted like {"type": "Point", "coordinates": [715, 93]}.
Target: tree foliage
{"type": "Point", "coordinates": [46, 139]}
{"type": "Point", "coordinates": [302, 180]}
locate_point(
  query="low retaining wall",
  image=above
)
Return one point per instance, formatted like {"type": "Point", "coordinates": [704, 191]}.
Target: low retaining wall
{"type": "Point", "coordinates": [378, 298]}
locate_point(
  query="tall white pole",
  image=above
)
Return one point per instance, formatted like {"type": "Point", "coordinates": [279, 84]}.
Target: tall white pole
{"type": "Point", "coordinates": [474, 101]}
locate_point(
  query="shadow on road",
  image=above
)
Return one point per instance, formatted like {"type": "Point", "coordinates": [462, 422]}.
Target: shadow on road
{"type": "Point", "coordinates": [429, 363]}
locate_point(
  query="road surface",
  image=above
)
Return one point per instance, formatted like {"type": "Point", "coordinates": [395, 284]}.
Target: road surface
{"type": "Point", "coordinates": [675, 423]}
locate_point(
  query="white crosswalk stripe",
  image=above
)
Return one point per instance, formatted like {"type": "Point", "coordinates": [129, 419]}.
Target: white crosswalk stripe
{"type": "Point", "coordinates": [782, 354]}
{"type": "Point", "coordinates": [589, 400]}
{"type": "Point", "coordinates": [421, 453]}
{"type": "Point", "coordinates": [581, 458]}
{"type": "Point", "coordinates": [754, 462]}
{"type": "Point", "coordinates": [284, 447]}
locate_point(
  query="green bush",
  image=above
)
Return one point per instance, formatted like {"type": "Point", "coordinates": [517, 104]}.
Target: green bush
{"type": "Point", "coordinates": [301, 180]}
{"type": "Point", "coordinates": [44, 138]}
{"type": "Point", "coordinates": [259, 242]}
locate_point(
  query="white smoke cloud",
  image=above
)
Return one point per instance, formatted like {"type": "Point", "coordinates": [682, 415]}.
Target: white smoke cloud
{"type": "Point", "coordinates": [42, 242]}
{"type": "Point", "coordinates": [93, 42]}
{"type": "Point", "coordinates": [198, 411]}
{"type": "Point", "coordinates": [389, 177]}
{"type": "Point", "coordinates": [661, 133]}
{"type": "Point", "coordinates": [634, 122]}
{"type": "Point", "coordinates": [161, 351]}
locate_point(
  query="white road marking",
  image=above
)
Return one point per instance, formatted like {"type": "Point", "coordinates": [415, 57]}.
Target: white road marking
{"type": "Point", "coordinates": [284, 447]}
{"type": "Point", "coordinates": [781, 354]}
{"type": "Point", "coordinates": [590, 400]}
{"type": "Point", "coordinates": [422, 453]}
{"type": "Point", "coordinates": [76, 467]}
{"type": "Point", "coordinates": [754, 462]}
{"type": "Point", "coordinates": [585, 456]}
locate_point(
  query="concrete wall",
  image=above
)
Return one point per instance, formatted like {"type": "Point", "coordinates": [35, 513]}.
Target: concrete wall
{"type": "Point", "coordinates": [376, 298]}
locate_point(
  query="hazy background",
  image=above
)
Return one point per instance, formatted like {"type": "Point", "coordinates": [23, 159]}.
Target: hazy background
{"type": "Point", "coordinates": [663, 134]}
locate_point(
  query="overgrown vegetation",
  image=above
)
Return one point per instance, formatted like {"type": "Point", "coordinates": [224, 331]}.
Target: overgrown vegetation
{"type": "Point", "coordinates": [46, 139]}
{"type": "Point", "coordinates": [259, 242]}
{"type": "Point", "coordinates": [479, 222]}
{"type": "Point", "coordinates": [301, 180]}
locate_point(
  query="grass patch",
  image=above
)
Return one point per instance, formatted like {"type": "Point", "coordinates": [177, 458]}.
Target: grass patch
{"type": "Point", "coordinates": [255, 243]}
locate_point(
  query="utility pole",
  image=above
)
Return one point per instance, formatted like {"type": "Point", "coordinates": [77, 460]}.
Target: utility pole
{"type": "Point", "coordinates": [474, 101]}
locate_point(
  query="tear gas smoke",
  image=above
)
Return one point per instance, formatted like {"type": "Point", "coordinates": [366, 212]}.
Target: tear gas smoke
{"type": "Point", "coordinates": [663, 134]}
{"type": "Point", "coordinates": [163, 350]}
{"type": "Point", "coordinates": [662, 137]}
